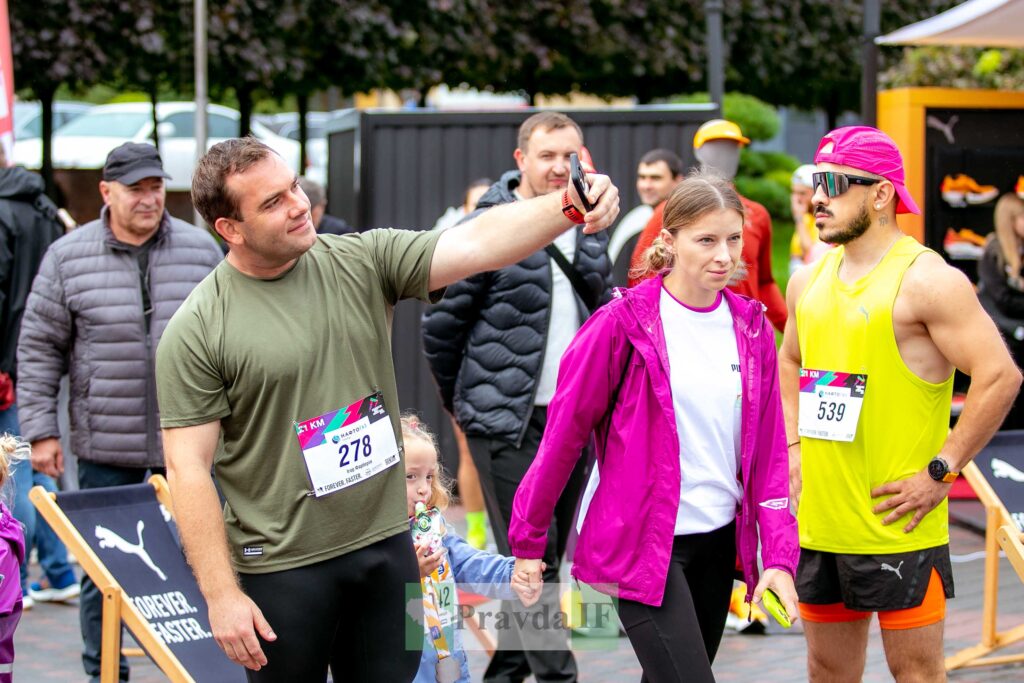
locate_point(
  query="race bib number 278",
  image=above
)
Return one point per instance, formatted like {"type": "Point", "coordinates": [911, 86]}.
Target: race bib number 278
{"type": "Point", "coordinates": [347, 446]}
{"type": "Point", "coordinates": [830, 404]}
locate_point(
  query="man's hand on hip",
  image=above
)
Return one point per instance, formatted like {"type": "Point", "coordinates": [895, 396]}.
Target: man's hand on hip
{"type": "Point", "coordinates": [236, 621]}
{"type": "Point", "coordinates": [48, 457]}
{"type": "Point", "coordinates": [919, 494]}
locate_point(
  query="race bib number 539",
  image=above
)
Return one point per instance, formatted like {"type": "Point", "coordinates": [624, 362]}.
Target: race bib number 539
{"type": "Point", "coordinates": [349, 445]}
{"type": "Point", "coordinates": [830, 404]}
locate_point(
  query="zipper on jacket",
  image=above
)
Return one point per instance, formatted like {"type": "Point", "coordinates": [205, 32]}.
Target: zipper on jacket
{"type": "Point", "coordinates": [147, 314]}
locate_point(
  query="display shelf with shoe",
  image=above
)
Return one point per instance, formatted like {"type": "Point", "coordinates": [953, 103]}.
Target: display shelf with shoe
{"type": "Point", "coordinates": [962, 190]}
{"type": "Point", "coordinates": [963, 244]}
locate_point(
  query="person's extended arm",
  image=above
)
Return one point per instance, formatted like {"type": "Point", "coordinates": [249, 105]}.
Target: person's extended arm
{"type": "Point", "coordinates": [943, 300]}
{"type": "Point", "coordinates": [789, 381]}
{"type": "Point", "coordinates": [509, 233]}
{"type": "Point", "coordinates": [234, 618]}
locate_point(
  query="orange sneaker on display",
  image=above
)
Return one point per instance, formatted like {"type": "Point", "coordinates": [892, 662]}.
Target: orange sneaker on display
{"type": "Point", "coordinates": [964, 244]}
{"type": "Point", "coordinates": [952, 192]}
{"type": "Point", "coordinates": [1019, 189]}
{"type": "Point", "coordinates": [968, 235]}
{"type": "Point", "coordinates": [962, 189]}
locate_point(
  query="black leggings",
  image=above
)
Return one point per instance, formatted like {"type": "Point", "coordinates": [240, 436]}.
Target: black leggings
{"type": "Point", "coordinates": [348, 612]}
{"type": "Point", "coordinates": [678, 641]}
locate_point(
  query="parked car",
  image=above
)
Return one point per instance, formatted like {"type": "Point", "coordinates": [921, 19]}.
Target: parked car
{"type": "Point", "coordinates": [86, 141]}
{"type": "Point", "coordinates": [287, 124]}
{"type": "Point", "coordinates": [28, 117]}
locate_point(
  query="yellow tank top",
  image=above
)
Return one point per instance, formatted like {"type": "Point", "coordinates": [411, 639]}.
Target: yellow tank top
{"type": "Point", "coordinates": [903, 423]}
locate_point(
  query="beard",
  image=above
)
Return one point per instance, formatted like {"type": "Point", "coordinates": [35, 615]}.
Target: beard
{"type": "Point", "coordinates": [845, 234]}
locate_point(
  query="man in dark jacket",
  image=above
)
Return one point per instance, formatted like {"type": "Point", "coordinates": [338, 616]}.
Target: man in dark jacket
{"type": "Point", "coordinates": [97, 309]}
{"type": "Point", "coordinates": [494, 343]}
{"type": "Point", "coordinates": [29, 224]}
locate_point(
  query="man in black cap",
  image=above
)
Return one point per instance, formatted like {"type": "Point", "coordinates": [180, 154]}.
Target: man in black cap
{"type": "Point", "coordinates": [96, 311]}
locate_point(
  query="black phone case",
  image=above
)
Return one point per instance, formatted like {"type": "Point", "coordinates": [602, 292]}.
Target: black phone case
{"type": "Point", "coordinates": [579, 181]}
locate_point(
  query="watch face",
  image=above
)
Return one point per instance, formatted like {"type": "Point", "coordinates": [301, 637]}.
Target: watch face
{"type": "Point", "coordinates": [937, 469]}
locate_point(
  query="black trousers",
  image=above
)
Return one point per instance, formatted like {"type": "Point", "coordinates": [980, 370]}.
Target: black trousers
{"type": "Point", "coordinates": [348, 613]}
{"type": "Point", "coordinates": [501, 466]}
{"type": "Point", "coordinates": [678, 641]}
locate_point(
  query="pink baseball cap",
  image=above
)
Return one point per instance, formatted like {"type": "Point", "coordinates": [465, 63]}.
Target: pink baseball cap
{"type": "Point", "coordinates": [871, 150]}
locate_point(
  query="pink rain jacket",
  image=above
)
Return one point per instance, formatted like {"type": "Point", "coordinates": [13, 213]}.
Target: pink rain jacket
{"type": "Point", "coordinates": [626, 540]}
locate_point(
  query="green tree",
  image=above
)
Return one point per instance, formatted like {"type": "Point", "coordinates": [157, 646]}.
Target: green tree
{"type": "Point", "coordinates": [956, 67]}
{"type": "Point", "coordinates": [250, 51]}
{"type": "Point", "coordinates": [351, 45]}
{"type": "Point", "coordinates": [56, 42]}
{"type": "Point", "coordinates": [152, 50]}
{"type": "Point", "coordinates": [807, 53]}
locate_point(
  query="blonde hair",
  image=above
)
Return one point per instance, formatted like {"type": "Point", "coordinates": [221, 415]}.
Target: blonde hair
{"type": "Point", "coordinates": [1008, 209]}
{"type": "Point", "coordinates": [698, 195]}
{"type": "Point", "coordinates": [12, 450]}
{"type": "Point", "coordinates": [441, 488]}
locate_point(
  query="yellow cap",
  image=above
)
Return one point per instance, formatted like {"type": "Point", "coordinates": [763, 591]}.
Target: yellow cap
{"type": "Point", "coordinates": [719, 129]}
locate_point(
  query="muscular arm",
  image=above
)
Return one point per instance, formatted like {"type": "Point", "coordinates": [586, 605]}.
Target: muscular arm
{"type": "Point", "coordinates": [789, 379]}
{"type": "Point", "coordinates": [509, 233]}
{"type": "Point", "coordinates": [941, 299]}
{"type": "Point", "coordinates": [944, 301]}
{"type": "Point", "coordinates": [234, 618]}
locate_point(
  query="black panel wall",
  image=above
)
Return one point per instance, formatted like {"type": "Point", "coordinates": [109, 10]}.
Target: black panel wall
{"type": "Point", "coordinates": [403, 169]}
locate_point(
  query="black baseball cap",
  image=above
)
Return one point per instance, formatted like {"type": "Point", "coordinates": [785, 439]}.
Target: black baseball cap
{"type": "Point", "coordinates": [133, 161]}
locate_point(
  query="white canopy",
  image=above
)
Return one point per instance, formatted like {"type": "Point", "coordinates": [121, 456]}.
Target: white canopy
{"type": "Point", "coordinates": [982, 23]}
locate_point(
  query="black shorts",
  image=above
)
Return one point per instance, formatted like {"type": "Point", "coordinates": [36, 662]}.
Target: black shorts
{"type": "Point", "coordinates": [871, 583]}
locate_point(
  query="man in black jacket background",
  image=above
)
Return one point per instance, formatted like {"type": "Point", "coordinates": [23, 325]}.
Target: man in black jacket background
{"type": "Point", "coordinates": [494, 343]}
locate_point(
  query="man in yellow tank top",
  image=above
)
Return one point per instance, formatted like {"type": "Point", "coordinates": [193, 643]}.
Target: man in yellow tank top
{"type": "Point", "coordinates": [874, 333]}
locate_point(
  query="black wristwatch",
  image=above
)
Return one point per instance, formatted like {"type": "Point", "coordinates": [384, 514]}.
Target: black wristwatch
{"type": "Point", "coordinates": [938, 469]}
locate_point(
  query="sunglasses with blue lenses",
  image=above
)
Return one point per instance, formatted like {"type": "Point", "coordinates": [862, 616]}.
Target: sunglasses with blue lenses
{"type": "Point", "coordinates": [834, 184]}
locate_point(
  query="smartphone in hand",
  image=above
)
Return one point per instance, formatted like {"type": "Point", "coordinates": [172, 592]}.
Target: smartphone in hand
{"type": "Point", "coordinates": [771, 603]}
{"type": "Point", "coordinates": [579, 181]}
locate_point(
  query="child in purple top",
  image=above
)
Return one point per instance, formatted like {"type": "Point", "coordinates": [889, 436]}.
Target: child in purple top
{"type": "Point", "coordinates": [12, 554]}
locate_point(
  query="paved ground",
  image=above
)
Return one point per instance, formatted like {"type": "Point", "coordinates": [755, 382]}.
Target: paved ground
{"type": "Point", "coordinates": [48, 643]}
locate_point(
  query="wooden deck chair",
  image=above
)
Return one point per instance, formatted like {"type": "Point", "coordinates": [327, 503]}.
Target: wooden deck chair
{"type": "Point", "coordinates": [1009, 538]}
{"type": "Point", "coordinates": [997, 477]}
{"type": "Point", "coordinates": [125, 540]}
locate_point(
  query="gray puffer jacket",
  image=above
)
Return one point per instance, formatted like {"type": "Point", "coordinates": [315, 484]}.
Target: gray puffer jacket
{"type": "Point", "coordinates": [84, 316]}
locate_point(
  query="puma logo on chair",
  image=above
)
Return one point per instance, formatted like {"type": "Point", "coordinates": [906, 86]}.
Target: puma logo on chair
{"type": "Point", "coordinates": [109, 539]}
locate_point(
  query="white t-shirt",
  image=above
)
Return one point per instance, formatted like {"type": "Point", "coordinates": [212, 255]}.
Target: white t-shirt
{"type": "Point", "coordinates": [564, 320]}
{"type": "Point", "coordinates": [563, 323]}
{"type": "Point", "coordinates": [706, 392]}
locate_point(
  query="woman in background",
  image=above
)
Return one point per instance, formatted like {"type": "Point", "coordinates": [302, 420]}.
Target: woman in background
{"type": "Point", "coordinates": [1002, 285]}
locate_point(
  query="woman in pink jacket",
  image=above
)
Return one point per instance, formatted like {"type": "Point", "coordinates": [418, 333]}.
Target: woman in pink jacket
{"type": "Point", "coordinates": [677, 381]}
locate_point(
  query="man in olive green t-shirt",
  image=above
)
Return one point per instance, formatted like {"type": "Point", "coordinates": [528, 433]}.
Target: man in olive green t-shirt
{"type": "Point", "coordinates": [284, 350]}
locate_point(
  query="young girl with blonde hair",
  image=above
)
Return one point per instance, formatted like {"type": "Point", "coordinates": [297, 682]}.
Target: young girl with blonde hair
{"type": "Point", "coordinates": [446, 558]}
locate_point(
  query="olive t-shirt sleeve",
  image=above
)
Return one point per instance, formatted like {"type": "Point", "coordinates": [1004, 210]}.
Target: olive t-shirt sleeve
{"type": "Point", "coordinates": [402, 261]}
{"type": "Point", "coordinates": [190, 388]}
